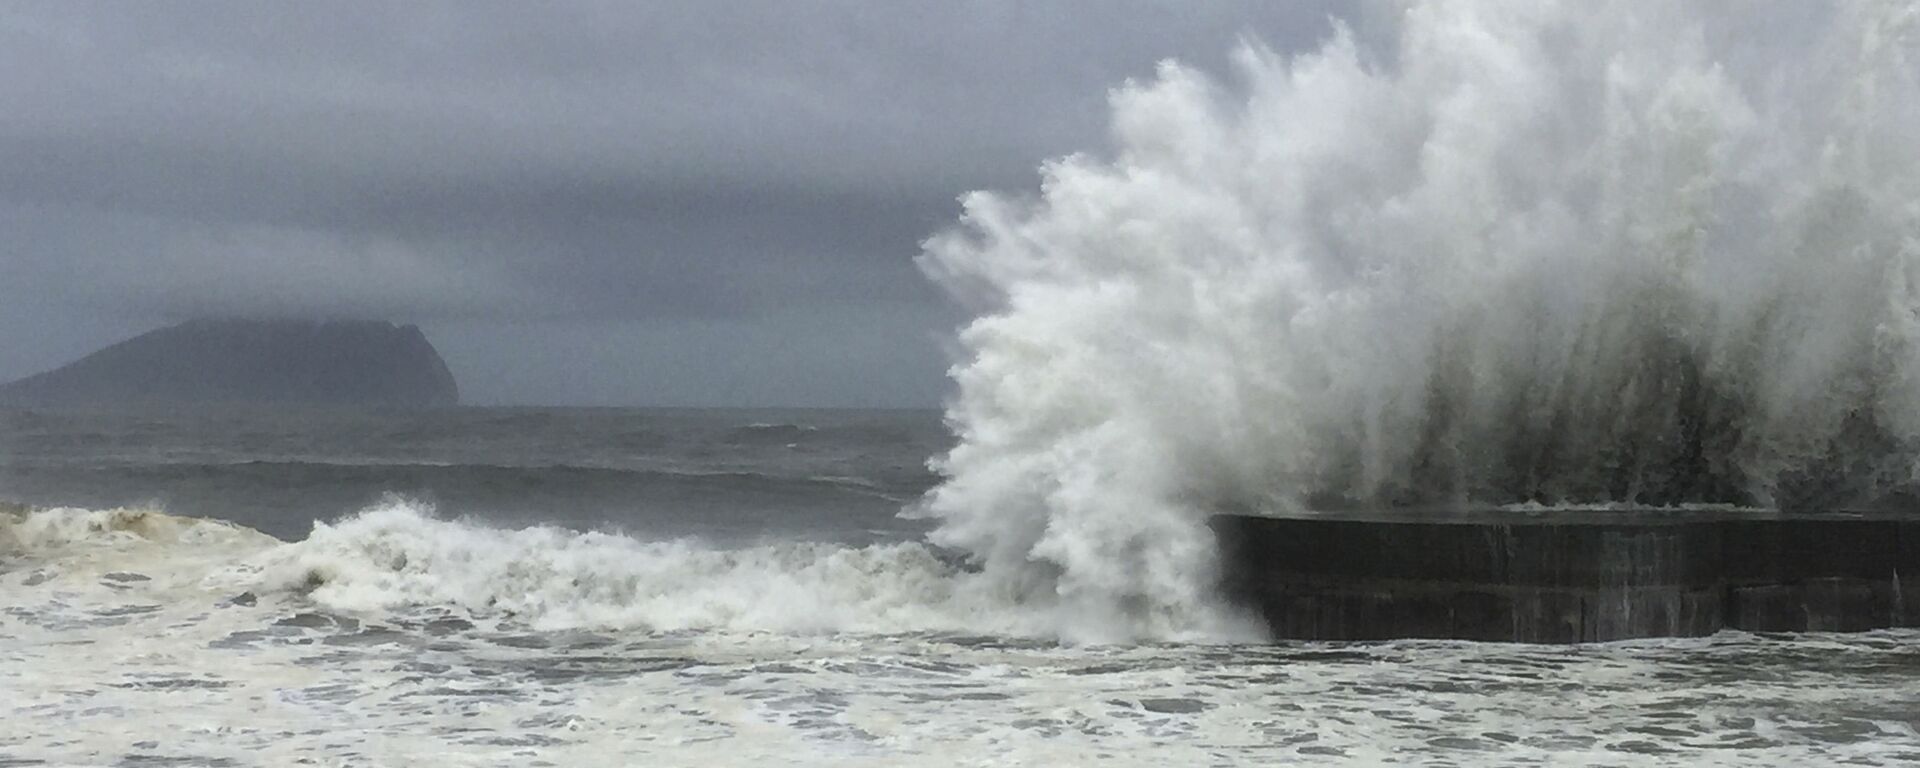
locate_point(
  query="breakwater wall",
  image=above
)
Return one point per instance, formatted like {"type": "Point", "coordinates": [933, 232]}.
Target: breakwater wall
{"type": "Point", "coordinates": [1573, 576]}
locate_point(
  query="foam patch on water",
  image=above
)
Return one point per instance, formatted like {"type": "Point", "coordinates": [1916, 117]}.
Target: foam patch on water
{"type": "Point", "coordinates": [281, 682]}
{"type": "Point", "coordinates": [138, 639]}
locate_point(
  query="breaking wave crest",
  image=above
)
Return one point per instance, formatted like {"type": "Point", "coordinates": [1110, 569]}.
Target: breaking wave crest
{"type": "Point", "coordinates": [31, 532]}
{"type": "Point", "coordinates": [395, 556]}
{"type": "Point", "coordinates": [1652, 252]}
{"type": "Point", "coordinates": [398, 557]}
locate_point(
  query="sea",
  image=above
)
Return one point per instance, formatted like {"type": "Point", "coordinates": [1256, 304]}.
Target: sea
{"type": "Point", "coordinates": [582, 587]}
{"type": "Point", "coordinates": [1553, 253]}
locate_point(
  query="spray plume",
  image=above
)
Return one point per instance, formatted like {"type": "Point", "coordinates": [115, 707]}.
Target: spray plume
{"type": "Point", "coordinates": [1554, 252]}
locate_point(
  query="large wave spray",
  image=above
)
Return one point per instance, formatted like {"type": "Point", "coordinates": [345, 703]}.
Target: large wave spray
{"type": "Point", "coordinates": [1554, 252]}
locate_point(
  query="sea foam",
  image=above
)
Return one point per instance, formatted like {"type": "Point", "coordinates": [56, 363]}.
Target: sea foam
{"type": "Point", "coordinates": [397, 556]}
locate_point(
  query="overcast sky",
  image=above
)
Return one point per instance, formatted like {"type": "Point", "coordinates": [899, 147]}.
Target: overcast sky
{"type": "Point", "coordinates": [688, 203]}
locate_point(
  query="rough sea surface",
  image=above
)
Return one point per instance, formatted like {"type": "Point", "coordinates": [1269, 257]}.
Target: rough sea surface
{"type": "Point", "coordinates": [651, 587]}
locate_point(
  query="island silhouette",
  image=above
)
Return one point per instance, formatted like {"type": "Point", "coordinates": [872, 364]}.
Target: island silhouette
{"type": "Point", "coordinates": [251, 361]}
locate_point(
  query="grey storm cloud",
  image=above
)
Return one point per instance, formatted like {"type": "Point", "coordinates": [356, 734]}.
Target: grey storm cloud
{"type": "Point", "coordinates": [713, 176]}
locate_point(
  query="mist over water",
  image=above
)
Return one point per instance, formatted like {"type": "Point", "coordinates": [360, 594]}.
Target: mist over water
{"type": "Point", "coordinates": [1559, 253]}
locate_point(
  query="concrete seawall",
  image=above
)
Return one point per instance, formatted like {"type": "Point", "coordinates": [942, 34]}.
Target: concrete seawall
{"type": "Point", "coordinates": [1565, 577]}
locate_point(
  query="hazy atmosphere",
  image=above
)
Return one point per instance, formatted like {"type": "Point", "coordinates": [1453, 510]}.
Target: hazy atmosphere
{"type": "Point", "coordinates": [669, 204]}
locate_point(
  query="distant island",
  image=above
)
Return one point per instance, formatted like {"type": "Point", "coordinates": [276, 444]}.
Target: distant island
{"type": "Point", "coordinates": [243, 361]}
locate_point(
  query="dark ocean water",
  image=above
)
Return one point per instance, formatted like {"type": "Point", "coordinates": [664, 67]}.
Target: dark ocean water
{"type": "Point", "coordinates": [719, 474]}
{"type": "Point", "coordinates": [662, 587]}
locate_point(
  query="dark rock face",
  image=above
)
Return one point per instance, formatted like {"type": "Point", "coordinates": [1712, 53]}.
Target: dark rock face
{"type": "Point", "coordinates": [252, 361]}
{"type": "Point", "coordinates": [1572, 578]}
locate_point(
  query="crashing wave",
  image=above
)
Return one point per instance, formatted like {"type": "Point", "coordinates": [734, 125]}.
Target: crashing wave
{"type": "Point", "coordinates": [1652, 252]}
{"type": "Point", "coordinates": [398, 556]}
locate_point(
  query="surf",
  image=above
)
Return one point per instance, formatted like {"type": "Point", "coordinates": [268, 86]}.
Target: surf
{"type": "Point", "coordinates": [401, 558]}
